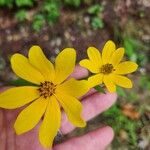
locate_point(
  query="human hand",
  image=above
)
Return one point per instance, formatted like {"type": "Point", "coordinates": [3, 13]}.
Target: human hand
{"type": "Point", "coordinates": [93, 104]}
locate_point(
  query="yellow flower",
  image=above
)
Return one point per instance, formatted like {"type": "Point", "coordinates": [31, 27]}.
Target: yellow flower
{"type": "Point", "coordinates": [107, 68]}
{"type": "Point", "coordinates": [51, 90]}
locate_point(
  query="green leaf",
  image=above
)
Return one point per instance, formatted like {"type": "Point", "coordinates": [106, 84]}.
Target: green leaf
{"type": "Point", "coordinates": [7, 3]}
{"type": "Point", "coordinates": [75, 3]}
{"type": "Point", "coordinates": [51, 11]}
{"type": "Point", "coordinates": [144, 82]}
{"type": "Point", "coordinates": [129, 47]}
{"type": "Point", "coordinates": [38, 22]}
{"type": "Point", "coordinates": [21, 3]}
{"type": "Point", "coordinates": [97, 23]}
{"type": "Point", "coordinates": [99, 89]}
{"type": "Point", "coordinates": [121, 92]}
{"type": "Point", "coordinates": [21, 82]}
{"type": "Point", "coordinates": [21, 15]}
{"type": "Point", "coordinates": [95, 9]}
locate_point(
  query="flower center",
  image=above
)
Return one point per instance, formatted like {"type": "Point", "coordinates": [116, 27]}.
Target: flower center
{"type": "Point", "coordinates": [106, 69]}
{"type": "Point", "coordinates": [47, 89]}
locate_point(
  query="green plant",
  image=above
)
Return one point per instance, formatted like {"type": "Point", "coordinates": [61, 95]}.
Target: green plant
{"type": "Point", "coordinates": [48, 13]}
{"type": "Point", "coordinates": [132, 46]}
{"type": "Point", "coordinates": [144, 82]}
{"type": "Point", "coordinates": [115, 118]}
{"type": "Point", "coordinates": [121, 92]}
{"type": "Point", "coordinates": [7, 3]}
{"type": "Point", "coordinates": [51, 11]}
{"type": "Point", "coordinates": [20, 82]}
{"type": "Point", "coordinates": [97, 23]}
{"type": "Point", "coordinates": [18, 3]}
{"type": "Point", "coordinates": [21, 3]}
{"type": "Point", "coordinates": [96, 16]}
{"type": "Point", "coordinates": [74, 3]}
{"type": "Point", "coordinates": [38, 22]}
{"type": "Point", "coordinates": [21, 15]}
{"type": "Point", "coordinates": [100, 89]}
{"type": "Point", "coordinates": [95, 9]}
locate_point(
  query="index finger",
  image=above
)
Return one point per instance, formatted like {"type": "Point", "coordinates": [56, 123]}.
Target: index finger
{"type": "Point", "coordinates": [92, 106]}
{"type": "Point", "coordinates": [79, 73]}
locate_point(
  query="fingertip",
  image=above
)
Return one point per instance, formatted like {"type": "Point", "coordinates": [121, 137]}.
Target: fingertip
{"type": "Point", "coordinates": [110, 133]}
{"type": "Point", "coordinates": [111, 97]}
{"type": "Point", "coordinates": [79, 72]}
{"type": "Point", "coordinates": [107, 100]}
{"type": "Point", "coordinates": [102, 137]}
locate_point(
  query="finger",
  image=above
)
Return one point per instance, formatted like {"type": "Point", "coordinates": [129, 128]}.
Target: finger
{"type": "Point", "coordinates": [95, 140]}
{"type": "Point", "coordinates": [92, 106]}
{"type": "Point", "coordinates": [79, 73]}
{"type": "Point", "coordinates": [89, 93]}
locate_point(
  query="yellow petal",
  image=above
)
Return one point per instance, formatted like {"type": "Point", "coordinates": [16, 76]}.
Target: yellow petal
{"type": "Point", "coordinates": [74, 87]}
{"type": "Point", "coordinates": [95, 80]}
{"type": "Point", "coordinates": [86, 63]}
{"type": "Point", "coordinates": [122, 81]}
{"type": "Point", "coordinates": [64, 64]}
{"type": "Point", "coordinates": [18, 96]}
{"type": "Point", "coordinates": [25, 70]}
{"type": "Point", "coordinates": [30, 116]}
{"type": "Point", "coordinates": [95, 57]}
{"type": "Point", "coordinates": [108, 81]}
{"type": "Point", "coordinates": [73, 109]}
{"type": "Point", "coordinates": [108, 51]}
{"type": "Point", "coordinates": [41, 63]}
{"type": "Point", "coordinates": [126, 67]}
{"type": "Point", "coordinates": [50, 124]}
{"type": "Point", "coordinates": [117, 56]}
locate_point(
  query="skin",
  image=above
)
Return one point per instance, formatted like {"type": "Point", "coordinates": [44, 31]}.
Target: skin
{"type": "Point", "coordinates": [93, 102]}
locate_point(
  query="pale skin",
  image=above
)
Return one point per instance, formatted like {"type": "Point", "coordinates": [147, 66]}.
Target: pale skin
{"type": "Point", "coordinates": [94, 103]}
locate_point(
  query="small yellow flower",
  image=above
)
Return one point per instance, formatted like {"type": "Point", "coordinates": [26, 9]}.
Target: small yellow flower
{"type": "Point", "coordinates": [107, 68]}
{"type": "Point", "coordinates": [51, 90]}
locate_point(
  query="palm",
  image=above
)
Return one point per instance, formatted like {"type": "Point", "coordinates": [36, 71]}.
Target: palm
{"type": "Point", "coordinates": [93, 104]}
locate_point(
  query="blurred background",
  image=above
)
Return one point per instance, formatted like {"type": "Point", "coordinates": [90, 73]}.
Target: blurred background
{"type": "Point", "coordinates": [56, 24]}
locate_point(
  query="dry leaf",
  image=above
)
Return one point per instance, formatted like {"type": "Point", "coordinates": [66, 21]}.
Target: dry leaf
{"type": "Point", "coordinates": [130, 111]}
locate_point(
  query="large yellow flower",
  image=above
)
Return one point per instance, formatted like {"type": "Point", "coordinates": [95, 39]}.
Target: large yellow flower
{"type": "Point", "coordinates": [107, 68]}
{"type": "Point", "coordinates": [51, 89]}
